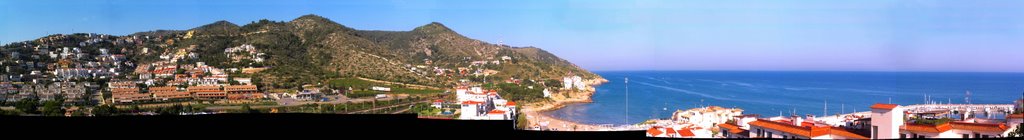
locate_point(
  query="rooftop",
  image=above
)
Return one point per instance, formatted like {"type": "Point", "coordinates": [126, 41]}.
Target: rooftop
{"type": "Point", "coordinates": [884, 106]}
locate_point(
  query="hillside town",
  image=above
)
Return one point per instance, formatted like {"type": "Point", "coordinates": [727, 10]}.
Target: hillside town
{"type": "Point", "coordinates": [101, 76]}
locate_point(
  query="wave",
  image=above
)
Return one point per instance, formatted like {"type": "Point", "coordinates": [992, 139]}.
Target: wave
{"type": "Point", "coordinates": [708, 95]}
{"type": "Point", "coordinates": [863, 91]}
{"type": "Point", "coordinates": [804, 88]}
{"type": "Point", "coordinates": [724, 83]}
{"type": "Point", "coordinates": [656, 79]}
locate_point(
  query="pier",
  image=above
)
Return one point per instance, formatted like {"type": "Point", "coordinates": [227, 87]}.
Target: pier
{"type": "Point", "coordinates": [986, 109]}
{"type": "Point", "coordinates": [961, 107]}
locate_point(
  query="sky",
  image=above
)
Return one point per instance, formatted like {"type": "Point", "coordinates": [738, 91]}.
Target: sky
{"type": "Point", "coordinates": [784, 35]}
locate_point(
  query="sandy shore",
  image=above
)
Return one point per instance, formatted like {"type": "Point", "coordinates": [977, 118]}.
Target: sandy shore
{"type": "Point", "coordinates": [536, 117]}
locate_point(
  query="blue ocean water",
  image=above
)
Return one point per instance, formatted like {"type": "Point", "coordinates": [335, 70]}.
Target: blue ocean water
{"type": "Point", "coordinates": [656, 94]}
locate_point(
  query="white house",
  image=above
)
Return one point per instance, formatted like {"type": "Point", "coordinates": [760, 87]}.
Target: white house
{"type": "Point", "coordinates": [566, 83]}
{"type": "Point", "coordinates": [547, 93]}
{"type": "Point", "coordinates": [476, 105]}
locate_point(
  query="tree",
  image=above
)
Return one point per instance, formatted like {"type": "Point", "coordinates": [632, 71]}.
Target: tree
{"type": "Point", "coordinates": [521, 121]}
{"type": "Point", "coordinates": [78, 113]}
{"type": "Point", "coordinates": [135, 109]}
{"type": "Point", "coordinates": [187, 108]}
{"type": "Point", "coordinates": [104, 110]}
{"type": "Point", "coordinates": [247, 109]}
{"type": "Point", "coordinates": [53, 108]}
{"type": "Point", "coordinates": [8, 113]}
{"type": "Point", "coordinates": [30, 105]}
{"type": "Point", "coordinates": [173, 110]}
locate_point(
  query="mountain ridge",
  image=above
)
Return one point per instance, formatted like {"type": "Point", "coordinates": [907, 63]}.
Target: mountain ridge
{"type": "Point", "coordinates": [311, 48]}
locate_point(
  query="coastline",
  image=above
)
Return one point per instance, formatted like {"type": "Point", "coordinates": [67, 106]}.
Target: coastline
{"type": "Point", "coordinates": [535, 111]}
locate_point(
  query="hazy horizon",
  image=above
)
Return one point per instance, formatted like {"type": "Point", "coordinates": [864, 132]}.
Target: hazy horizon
{"type": "Point", "coordinates": [923, 35]}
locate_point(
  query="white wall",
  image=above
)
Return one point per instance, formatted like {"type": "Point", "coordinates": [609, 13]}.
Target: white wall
{"type": "Point", "coordinates": [888, 122]}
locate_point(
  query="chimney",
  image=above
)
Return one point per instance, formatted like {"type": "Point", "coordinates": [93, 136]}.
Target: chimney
{"type": "Point", "coordinates": [810, 118]}
{"type": "Point", "coordinates": [796, 120]}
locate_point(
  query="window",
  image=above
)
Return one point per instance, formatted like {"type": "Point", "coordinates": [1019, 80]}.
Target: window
{"type": "Point", "coordinates": [967, 136]}
{"type": "Point", "coordinates": [984, 136]}
{"type": "Point", "coordinates": [785, 137]}
{"type": "Point", "coordinates": [977, 135]}
{"type": "Point", "coordinates": [903, 136]}
{"type": "Point", "coordinates": [769, 135]}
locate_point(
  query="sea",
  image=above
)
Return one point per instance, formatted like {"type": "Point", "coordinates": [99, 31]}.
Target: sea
{"type": "Point", "coordinates": [657, 94]}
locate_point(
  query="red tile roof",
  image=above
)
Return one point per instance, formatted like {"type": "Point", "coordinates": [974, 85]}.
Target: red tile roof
{"type": "Point", "coordinates": [926, 128]}
{"type": "Point", "coordinates": [510, 103]}
{"type": "Point", "coordinates": [981, 127]}
{"type": "Point", "coordinates": [496, 112]}
{"type": "Point", "coordinates": [884, 106]}
{"type": "Point", "coordinates": [847, 134]}
{"type": "Point", "coordinates": [806, 131]}
{"type": "Point", "coordinates": [735, 129]}
{"type": "Point", "coordinates": [438, 101]}
{"type": "Point", "coordinates": [654, 131]}
{"type": "Point", "coordinates": [471, 102]}
{"type": "Point", "coordinates": [686, 133]}
{"type": "Point", "coordinates": [670, 131]}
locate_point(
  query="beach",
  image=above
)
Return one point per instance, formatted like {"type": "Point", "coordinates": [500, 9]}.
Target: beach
{"type": "Point", "coordinates": [537, 119]}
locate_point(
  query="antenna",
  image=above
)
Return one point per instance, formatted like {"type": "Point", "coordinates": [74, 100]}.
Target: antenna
{"type": "Point", "coordinates": [626, 82]}
{"type": "Point", "coordinates": [825, 113]}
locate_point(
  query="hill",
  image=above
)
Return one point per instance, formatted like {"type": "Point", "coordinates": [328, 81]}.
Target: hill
{"type": "Point", "coordinates": [312, 49]}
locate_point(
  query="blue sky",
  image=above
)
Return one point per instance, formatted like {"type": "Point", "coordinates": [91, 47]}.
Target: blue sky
{"type": "Point", "coordinates": [863, 35]}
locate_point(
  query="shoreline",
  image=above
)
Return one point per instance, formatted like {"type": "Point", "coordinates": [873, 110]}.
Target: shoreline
{"type": "Point", "coordinates": [535, 111]}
